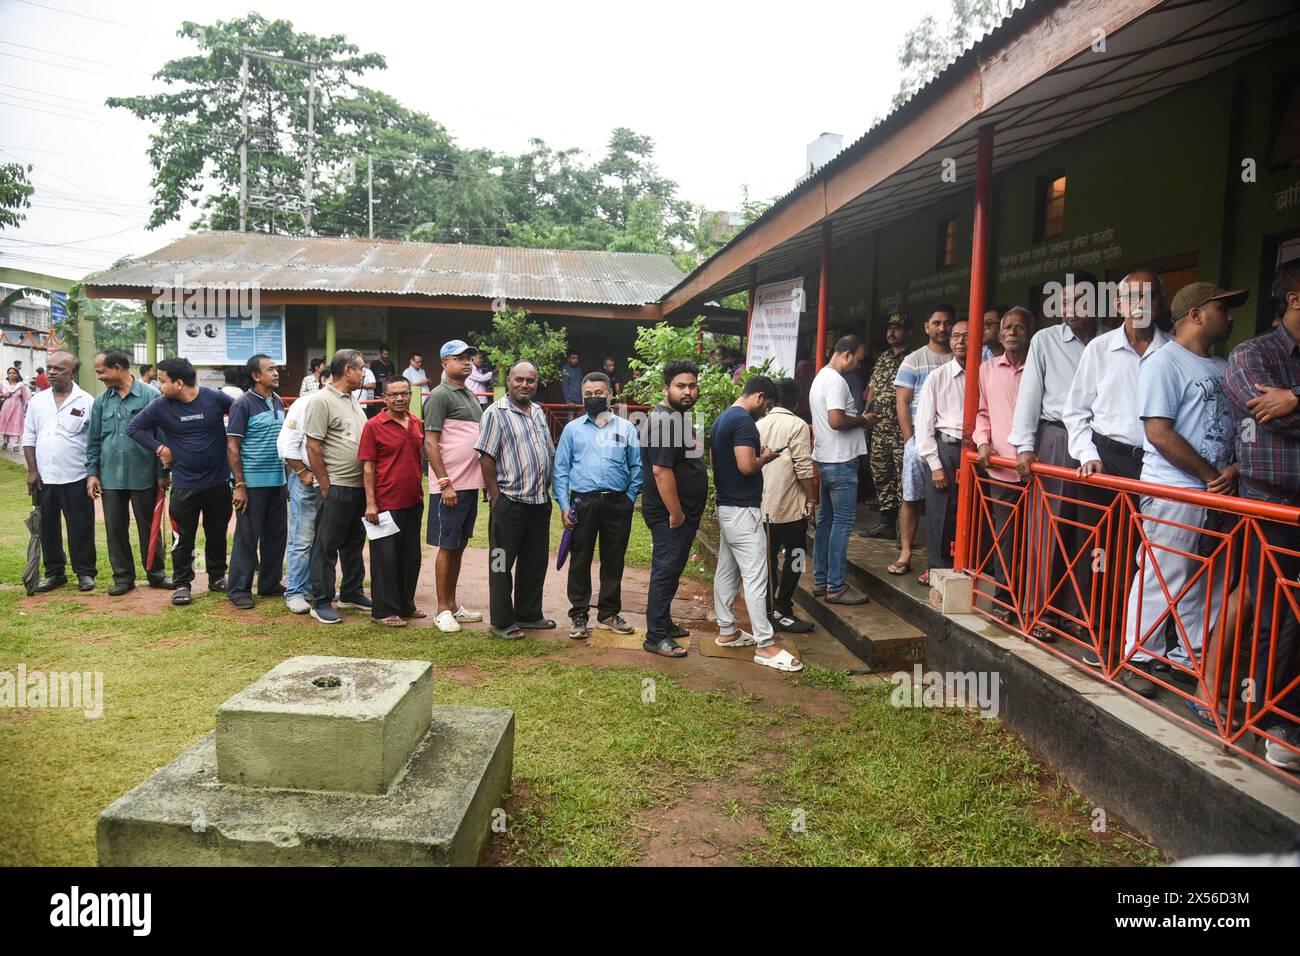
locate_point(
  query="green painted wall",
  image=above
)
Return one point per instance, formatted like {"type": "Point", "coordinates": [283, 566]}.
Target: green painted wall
{"type": "Point", "coordinates": [1157, 183]}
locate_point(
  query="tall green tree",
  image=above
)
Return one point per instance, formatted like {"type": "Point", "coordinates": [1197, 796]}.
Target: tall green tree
{"type": "Point", "coordinates": [15, 193]}
{"type": "Point", "coordinates": [195, 143]}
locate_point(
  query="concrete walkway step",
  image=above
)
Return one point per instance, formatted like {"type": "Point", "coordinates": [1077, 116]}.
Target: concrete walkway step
{"type": "Point", "coordinates": [883, 641]}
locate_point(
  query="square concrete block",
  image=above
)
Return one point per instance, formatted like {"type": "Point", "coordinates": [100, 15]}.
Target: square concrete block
{"type": "Point", "coordinates": [951, 592]}
{"type": "Point", "coordinates": [440, 812]}
{"type": "Point", "coordinates": [325, 723]}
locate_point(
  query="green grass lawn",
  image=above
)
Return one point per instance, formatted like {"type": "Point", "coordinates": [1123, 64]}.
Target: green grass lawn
{"type": "Point", "coordinates": [594, 764]}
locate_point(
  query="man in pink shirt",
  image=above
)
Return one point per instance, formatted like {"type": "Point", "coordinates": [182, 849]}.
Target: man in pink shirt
{"type": "Point", "coordinates": [999, 387]}
{"type": "Point", "coordinates": [938, 445]}
{"type": "Point", "coordinates": [451, 428]}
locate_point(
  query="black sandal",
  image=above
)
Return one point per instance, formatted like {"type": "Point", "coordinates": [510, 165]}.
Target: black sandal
{"type": "Point", "coordinates": [665, 647]}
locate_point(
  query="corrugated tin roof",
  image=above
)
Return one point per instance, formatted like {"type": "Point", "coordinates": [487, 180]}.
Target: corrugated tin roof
{"type": "Point", "coordinates": [292, 264]}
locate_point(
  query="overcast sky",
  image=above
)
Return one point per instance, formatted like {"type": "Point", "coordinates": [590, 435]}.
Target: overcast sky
{"type": "Point", "coordinates": [731, 92]}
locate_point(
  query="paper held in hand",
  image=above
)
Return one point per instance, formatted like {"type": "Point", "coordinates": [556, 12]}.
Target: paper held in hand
{"type": "Point", "coordinates": [383, 529]}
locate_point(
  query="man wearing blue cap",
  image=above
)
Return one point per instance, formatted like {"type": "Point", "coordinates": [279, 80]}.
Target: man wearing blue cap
{"type": "Point", "coordinates": [451, 428]}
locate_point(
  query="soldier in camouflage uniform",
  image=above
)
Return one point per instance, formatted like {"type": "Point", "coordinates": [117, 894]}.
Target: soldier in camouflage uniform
{"type": "Point", "coordinates": [886, 456]}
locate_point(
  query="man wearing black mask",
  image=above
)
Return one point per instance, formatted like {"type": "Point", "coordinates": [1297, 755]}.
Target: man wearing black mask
{"type": "Point", "coordinates": [597, 478]}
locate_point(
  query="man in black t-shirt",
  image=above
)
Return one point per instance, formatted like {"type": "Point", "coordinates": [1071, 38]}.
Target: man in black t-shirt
{"type": "Point", "coordinates": [674, 493]}
{"type": "Point", "coordinates": [738, 460]}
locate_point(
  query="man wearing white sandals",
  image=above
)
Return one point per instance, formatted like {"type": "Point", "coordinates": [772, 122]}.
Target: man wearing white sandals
{"type": "Point", "coordinates": [738, 460]}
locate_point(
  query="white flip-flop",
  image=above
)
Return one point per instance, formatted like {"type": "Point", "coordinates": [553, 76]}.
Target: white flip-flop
{"type": "Point", "coordinates": [741, 640]}
{"type": "Point", "coordinates": [783, 661]}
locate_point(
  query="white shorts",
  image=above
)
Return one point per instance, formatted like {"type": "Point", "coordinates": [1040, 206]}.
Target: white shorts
{"type": "Point", "coordinates": [913, 473]}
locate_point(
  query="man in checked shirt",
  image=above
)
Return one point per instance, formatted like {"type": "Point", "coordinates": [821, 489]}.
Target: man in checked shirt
{"type": "Point", "coordinates": [1263, 389]}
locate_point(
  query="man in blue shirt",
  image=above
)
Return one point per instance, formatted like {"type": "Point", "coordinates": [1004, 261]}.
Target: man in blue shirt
{"type": "Point", "coordinates": [738, 460]}
{"type": "Point", "coordinates": [1189, 444]}
{"type": "Point", "coordinates": [571, 380]}
{"type": "Point", "coordinates": [260, 519]}
{"type": "Point", "coordinates": [192, 422]}
{"type": "Point", "coordinates": [597, 478]}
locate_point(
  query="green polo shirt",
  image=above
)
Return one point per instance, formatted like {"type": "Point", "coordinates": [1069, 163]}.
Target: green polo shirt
{"type": "Point", "coordinates": [121, 463]}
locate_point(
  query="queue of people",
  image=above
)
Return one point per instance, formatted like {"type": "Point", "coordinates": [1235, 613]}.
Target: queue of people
{"type": "Point", "coordinates": [307, 487]}
{"type": "Point", "coordinates": [1148, 400]}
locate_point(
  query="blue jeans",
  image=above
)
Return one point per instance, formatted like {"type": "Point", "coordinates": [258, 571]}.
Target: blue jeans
{"type": "Point", "coordinates": [835, 516]}
{"type": "Point", "coordinates": [302, 532]}
{"type": "Point", "coordinates": [672, 549]}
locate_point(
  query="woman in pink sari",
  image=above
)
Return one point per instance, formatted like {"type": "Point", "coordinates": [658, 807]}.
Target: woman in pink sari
{"type": "Point", "coordinates": [14, 397]}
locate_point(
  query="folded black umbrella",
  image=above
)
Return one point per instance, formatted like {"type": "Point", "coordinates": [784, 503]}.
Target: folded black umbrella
{"type": "Point", "coordinates": [32, 573]}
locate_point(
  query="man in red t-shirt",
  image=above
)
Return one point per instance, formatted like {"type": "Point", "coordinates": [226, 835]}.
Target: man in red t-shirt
{"type": "Point", "coordinates": [390, 450]}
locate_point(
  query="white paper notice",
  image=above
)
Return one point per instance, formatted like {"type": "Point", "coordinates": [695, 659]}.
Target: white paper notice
{"type": "Point", "coordinates": [383, 529]}
{"type": "Point", "coordinates": [774, 326]}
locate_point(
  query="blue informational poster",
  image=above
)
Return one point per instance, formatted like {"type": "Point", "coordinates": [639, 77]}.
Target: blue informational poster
{"type": "Point", "coordinates": [226, 340]}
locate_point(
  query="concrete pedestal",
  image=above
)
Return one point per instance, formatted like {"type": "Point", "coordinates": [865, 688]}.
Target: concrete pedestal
{"type": "Point", "coordinates": [324, 761]}
{"type": "Point", "coordinates": [438, 813]}
{"type": "Point", "coordinates": [325, 723]}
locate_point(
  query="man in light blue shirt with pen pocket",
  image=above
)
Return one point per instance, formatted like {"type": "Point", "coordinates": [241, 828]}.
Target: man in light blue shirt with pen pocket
{"type": "Point", "coordinates": [598, 476]}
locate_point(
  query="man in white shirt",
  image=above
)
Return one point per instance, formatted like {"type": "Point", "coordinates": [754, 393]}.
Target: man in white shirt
{"type": "Point", "coordinates": [1101, 417]}
{"type": "Point", "coordinates": [1105, 431]}
{"type": "Point", "coordinates": [55, 432]}
{"type": "Point", "coordinates": [938, 445]}
{"type": "Point", "coordinates": [839, 438]}
{"type": "Point", "coordinates": [1038, 433]}
{"type": "Point", "coordinates": [367, 392]}
{"type": "Point", "coordinates": [417, 376]}
{"type": "Point", "coordinates": [291, 444]}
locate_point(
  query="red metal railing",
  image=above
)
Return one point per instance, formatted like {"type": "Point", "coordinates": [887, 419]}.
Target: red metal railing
{"type": "Point", "coordinates": [1078, 570]}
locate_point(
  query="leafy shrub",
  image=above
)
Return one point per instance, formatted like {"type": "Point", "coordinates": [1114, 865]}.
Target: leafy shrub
{"type": "Point", "coordinates": [514, 338]}
{"type": "Point", "coordinates": [660, 344]}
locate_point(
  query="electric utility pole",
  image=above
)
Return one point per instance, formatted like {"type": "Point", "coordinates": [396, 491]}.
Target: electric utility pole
{"type": "Point", "coordinates": [243, 144]}
{"type": "Point", "coordinates": [311, 138]}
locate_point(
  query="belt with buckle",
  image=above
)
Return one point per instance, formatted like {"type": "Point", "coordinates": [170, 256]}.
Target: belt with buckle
{"type": "Point", "coordinates": [947, 439]}
{"type": "Point", "coordinates": [1119, 447]}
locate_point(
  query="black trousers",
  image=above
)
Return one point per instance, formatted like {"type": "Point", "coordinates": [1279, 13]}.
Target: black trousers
{"type": "Point", "coordinates": [941, 507]}
{"type": "Point", "coordinates": [672, 549]}
{"type": "Point", "coordinates": [518, 534]}
{"type": "Point", "coordinates": [339, 539]}
{"type": "Point", "coordinates": [263, 528]}
{"type": "Point", "coordinates": [119, 506]}
{"type": "Point", "coordinates": [68, 503]}
{"type": "Point", "coordinates": [1119, 547]}
{"type": "Point", "coordinates": [186, 506]}
{"type": "Point", "coordinates": [395, 565]}
{"type": "Point", "coordinates": [792, 537]}
{"type": "Point", "coordinates": [1285, 656]}
{"type": "Point", "coordinates": [606, 517]}
{"type": "Point", "coordinates": [1054, 449]}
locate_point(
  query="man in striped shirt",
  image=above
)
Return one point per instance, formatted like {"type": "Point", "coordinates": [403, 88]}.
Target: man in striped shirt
{"type": "Point", "coordinates": [517, 457]}
{"type": "Point", "coordinates": [261, 524]}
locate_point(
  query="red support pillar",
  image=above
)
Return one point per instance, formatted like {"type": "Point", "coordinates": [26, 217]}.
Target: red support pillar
{"type": "Point", "coordinates": [979, 266]}
{"type": "Point", "coordinates": [823, 295]}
